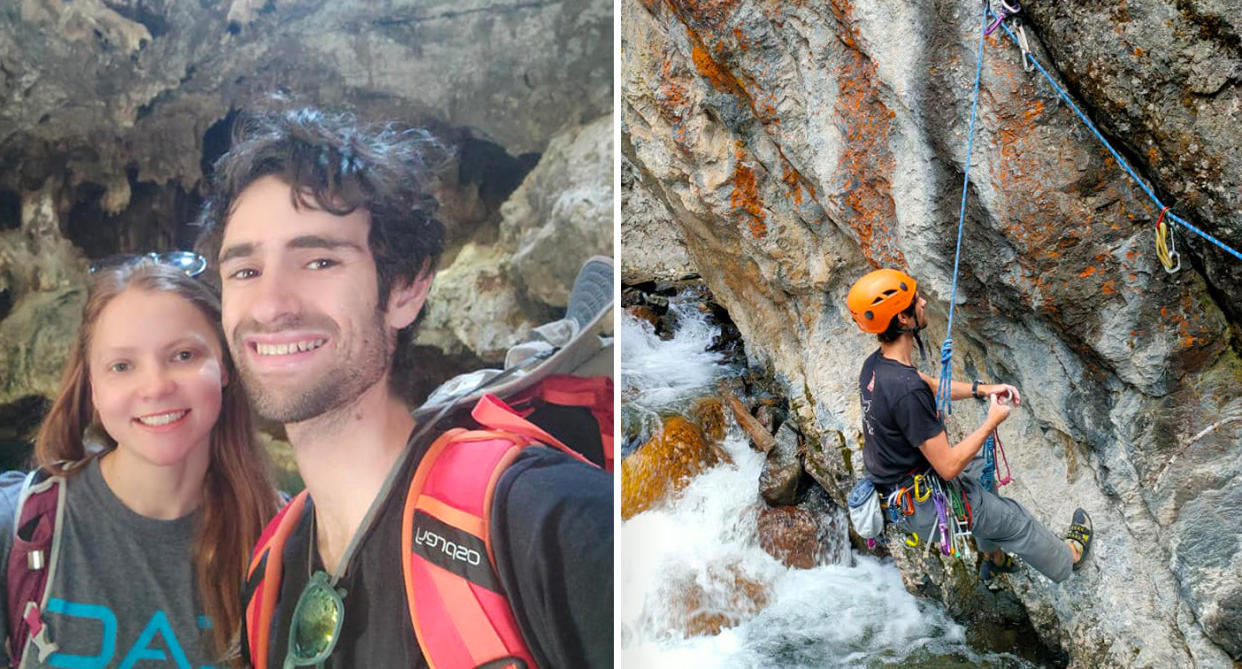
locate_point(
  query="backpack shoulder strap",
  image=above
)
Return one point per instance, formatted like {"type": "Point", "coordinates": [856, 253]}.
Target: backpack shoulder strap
{"type": "Point", "coordinates": [592, 393]}
{"type": "Point", "coordinates": [262, 587]}
{"type": "Point", "coordinates": [457, 604]}
{"type": "Point", "coordinates": [492, 412]}
{"type": "Point", "coordinates": [32, 562]}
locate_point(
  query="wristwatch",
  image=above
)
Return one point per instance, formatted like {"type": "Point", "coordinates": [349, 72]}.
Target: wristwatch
{"type": "Point", "coordinates": [974, 390]}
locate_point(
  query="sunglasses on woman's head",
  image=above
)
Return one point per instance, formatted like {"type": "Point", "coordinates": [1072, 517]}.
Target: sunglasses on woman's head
{"type": "Point", "coordinates": [187, 261]}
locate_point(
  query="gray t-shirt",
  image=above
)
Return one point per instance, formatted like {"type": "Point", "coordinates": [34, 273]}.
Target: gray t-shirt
{"type": "Point", "coordinates": [124, 592]}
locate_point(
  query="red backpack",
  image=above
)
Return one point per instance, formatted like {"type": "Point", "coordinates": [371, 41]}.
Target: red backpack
{"type": "Point", "coordinates": [32, 562]}
{"type": "Point", "coordinates": [460, 612]}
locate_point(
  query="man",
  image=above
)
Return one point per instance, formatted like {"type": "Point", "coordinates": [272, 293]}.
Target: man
{"type": "Point", "coordinates": [904, 437]}
{"type": "Point", "coordinates": [326, 243]}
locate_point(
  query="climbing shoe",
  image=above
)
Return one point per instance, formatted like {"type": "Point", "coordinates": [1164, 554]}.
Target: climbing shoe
{"type": "Point", "coordinates": [990, 568]}
{"type": "Point", "coordinates": [1081, 534]}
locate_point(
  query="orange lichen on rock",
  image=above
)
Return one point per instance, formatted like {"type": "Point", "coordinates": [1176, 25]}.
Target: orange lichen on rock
{"type": "Point", "coordinates": [719, 77]}
{"type": "Point", "coordinates": [745, 195]}
{"type": "Point", "coordinates": [673, 96]}
{"type": "Point", "coordinates": [664, 465]}
{"type": "Point", "coordinates": [866, 161]}
{"type": "Point", "coordinates": [793, 181]}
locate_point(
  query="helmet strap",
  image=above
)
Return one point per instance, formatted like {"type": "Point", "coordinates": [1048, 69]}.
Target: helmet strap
{"type": "Point", "coordinates": [917, 338]}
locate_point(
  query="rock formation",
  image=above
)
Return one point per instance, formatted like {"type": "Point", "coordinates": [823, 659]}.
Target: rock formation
{"type": "Point", "coordinates": [790, 147]}
{"type": "Point", "coordinates": [113, 110]}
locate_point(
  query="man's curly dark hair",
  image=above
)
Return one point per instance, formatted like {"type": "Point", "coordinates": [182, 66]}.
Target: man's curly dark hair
{"type": "Point", "coordinates": [335, 163]}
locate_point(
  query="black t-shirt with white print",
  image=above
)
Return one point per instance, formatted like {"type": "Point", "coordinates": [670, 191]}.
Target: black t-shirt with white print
{"type": "Point", "coordinates": [552, 538]}
{"type": "Point", "coordinates": [899, 414]}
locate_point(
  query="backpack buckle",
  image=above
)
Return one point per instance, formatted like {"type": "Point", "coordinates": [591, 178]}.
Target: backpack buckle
{"type": "Point", "coordinates": [38, 632]}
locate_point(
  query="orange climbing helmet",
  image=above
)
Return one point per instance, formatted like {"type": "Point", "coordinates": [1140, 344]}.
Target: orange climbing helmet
{"type": "Point", "coordinates": [879, 296]}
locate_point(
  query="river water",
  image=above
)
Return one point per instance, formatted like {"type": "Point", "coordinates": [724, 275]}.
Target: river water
{"type": "Point", "coordinates": [853, 614]}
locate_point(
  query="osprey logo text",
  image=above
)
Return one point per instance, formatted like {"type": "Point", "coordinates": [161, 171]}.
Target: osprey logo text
{"type": "Point", "coordinates": [455, 551]}
{"type": "Point", "coordinates": [452, 548]}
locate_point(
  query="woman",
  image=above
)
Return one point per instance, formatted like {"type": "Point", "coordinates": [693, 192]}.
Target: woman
{"type": "Point", "coordinates": [158, 520]}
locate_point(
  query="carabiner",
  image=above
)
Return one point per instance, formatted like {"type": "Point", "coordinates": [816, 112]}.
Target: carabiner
{"type": "Point", "coordinates": [918, 478]}
{"type": "Point", "coordinates": [1028, 61]}
{"type": "Point", "coordinates": [913, 540]}
{"type": "Point", "coordinates": [1005, 12]}
{"type": "Point", "coordinates": [1166, 250]}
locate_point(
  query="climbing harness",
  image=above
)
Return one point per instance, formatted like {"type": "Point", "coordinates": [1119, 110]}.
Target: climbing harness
{"type": "Point", "coordinates": [954, 517]}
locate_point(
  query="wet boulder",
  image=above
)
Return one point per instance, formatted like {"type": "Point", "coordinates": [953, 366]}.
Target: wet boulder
{"type": "Point", "coordinates": [812, 533]}
{"type": "Point", "coordinates": [708, 414]}
{"type": "Point", "coordinates": [664, 465]}
{"type": "Point", "coordinates": [782, 473]}
{"type": "Point", "coordinates": [724, 598]}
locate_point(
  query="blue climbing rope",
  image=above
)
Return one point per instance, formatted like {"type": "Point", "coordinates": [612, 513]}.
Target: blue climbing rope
{"type": "Point", "coordinates": [988, 478]}
{"type": "Point", "coordinates": [944, 400]}
{"type": "Point", "coordinates": [1120, 161]}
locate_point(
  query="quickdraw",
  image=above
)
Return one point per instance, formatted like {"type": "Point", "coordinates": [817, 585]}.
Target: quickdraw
{"type": "Point", "coordinates": [1005, 12]}
{"type": "Point", "coordinates": [946, 546]}
{"type": "Point", "coordinates": [953, 517]}
{"type": "Point", "coordinates": [1166, 250]}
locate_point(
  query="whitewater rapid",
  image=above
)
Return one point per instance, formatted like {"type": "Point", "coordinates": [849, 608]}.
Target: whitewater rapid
{"type": "Point", "coordinates": [856, 614]}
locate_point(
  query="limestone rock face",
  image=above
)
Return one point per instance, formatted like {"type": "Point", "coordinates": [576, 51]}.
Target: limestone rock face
{"type": "Point", "coordinates": [796, 146]}
{"type": "Point", "coordinates": [41, 282]}
{"type": "Point", "coordinates": [648, 224]}
{"type": "Point", "coordinates": [491, 295]}
{"type": "Point", "coordinates": [1164, 79]}
{"type": "Point", "coordinates": [562, 213]}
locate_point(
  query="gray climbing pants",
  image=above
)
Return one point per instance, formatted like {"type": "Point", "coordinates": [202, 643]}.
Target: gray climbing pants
{"type": "Point", "coordinates": [998, 522]}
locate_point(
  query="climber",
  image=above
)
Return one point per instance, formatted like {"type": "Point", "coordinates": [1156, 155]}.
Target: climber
{"type": "Point", "coordinates": [905, 443]}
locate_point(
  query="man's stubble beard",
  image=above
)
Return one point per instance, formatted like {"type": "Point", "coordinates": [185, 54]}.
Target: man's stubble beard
{"type": "Point", "coordinates": [334, 389]}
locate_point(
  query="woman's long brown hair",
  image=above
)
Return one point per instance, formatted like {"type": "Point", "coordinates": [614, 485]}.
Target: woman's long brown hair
{"type": "Point", "coordinates": [238, 494]}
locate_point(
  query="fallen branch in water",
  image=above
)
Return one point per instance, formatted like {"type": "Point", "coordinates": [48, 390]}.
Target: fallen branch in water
{"type": "Point", "coordinates": [760, 438]}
